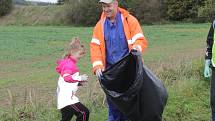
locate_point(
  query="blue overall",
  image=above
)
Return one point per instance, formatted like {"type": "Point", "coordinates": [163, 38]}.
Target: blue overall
{"type": "Point", "coordinates": [116, 48]}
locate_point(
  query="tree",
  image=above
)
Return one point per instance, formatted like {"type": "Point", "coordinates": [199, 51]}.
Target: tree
{"type": "Point", "coordinates": [147, 11]}
{"type": "Point", "coordinates": [82, 12]}
{"type": "Point", "coordinates": [183, 9]}
{"type": "Point", "coordinates": [61, 2]}
{"type": "Point", "coordinates": [5, 7]}
{"type": "Point", "coordinates": [207, 12]}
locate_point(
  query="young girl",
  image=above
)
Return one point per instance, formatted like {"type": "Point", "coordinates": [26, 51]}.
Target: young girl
{"type": "Point", "coordinates": [69, 81]}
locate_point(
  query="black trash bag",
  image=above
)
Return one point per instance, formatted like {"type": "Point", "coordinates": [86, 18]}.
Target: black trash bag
{"type": "Point", "coordinates": [134, 89]}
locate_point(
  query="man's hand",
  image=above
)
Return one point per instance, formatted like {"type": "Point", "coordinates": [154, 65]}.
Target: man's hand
{"type": "Point", "coordinates": [207, 72]}
{"type": "Point", "coordinates": [99, 73]}
{"type": "Point", "coordinates": [137, 47]}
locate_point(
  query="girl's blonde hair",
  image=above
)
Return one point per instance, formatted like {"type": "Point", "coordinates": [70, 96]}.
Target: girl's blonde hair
{"type": "Point", "coordinates": [74, 46]}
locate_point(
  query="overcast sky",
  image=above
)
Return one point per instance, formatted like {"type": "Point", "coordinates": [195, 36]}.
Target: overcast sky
{"type": "Point", "coordinates": [50, 1]}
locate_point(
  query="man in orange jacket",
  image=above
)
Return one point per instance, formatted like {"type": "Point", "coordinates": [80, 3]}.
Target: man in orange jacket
{"type": "Point", "coordinates": [114, 36]}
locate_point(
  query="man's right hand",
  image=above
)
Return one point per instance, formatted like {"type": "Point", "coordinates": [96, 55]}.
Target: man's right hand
{"type": "Point", "coordinates": [99, 73]}
{"type": "Point", "coordinates": [207, 72]}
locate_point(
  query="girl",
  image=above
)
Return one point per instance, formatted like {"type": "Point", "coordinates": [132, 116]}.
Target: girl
{"type": "Point", "coordinates": [69, 81]}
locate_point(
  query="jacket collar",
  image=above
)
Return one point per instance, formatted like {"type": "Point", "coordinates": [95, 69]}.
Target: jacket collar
{"type": "Point", "coordinates": [71, 59]}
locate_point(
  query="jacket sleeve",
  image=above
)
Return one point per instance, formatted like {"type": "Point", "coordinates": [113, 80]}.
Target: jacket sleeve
{"type": "Point", "coordinates": [70, 73]}
{"type": "Point", "coordinates": [72, 78]}
{"type": "Point", "coordinates": [95, 49]}
{"type": "Point", "coordinates": [210, 41]}
{"type": "Point", "coordinates": [137, 35]}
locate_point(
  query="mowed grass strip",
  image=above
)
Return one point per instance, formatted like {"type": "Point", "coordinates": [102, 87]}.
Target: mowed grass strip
{"type": "Point", "coordinates": [28, 56]}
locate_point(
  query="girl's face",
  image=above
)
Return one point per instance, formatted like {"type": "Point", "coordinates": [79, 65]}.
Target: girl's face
{"type": "Point", "coordinates": [79, 53]}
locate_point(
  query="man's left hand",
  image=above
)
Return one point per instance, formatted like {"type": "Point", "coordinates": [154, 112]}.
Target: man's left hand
{"type": "Point", "coordinates": [137, 47]}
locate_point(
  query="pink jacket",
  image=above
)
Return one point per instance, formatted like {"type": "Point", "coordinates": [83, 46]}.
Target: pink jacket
{"type": "Point", "coordinates": [67, 68]}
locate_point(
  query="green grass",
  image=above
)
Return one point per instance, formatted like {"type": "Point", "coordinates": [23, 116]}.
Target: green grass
{"type": "Point", "coordinates": [188, 93]}
{"type": "Point", "coordinates": [27, 70]}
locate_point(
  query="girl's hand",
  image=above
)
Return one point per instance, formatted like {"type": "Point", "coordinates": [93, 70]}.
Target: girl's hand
{"type": "Point", "coordinates": [84, 77]}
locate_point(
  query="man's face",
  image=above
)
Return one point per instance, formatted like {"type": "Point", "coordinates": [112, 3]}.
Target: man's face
{"type": "Point", "coordinates": [110, 9]}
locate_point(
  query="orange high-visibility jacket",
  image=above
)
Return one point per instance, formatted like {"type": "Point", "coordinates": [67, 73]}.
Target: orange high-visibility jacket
{"type": "Point", "coordinates": [133, 33]}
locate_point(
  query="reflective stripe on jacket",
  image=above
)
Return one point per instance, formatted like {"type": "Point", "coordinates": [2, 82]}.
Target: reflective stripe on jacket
{"type": "Point", "coordinates": [133, 33]}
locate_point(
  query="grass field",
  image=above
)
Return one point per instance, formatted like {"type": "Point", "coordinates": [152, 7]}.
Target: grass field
{"type": "Point", "coordinates": [28, 78]}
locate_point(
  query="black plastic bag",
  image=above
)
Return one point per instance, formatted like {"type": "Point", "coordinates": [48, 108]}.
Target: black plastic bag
{"type": "Point", "coordinates": [134, 89]}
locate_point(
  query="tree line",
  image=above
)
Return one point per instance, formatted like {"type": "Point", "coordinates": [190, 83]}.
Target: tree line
{"type": "Point", "coordinates": [87, 12]}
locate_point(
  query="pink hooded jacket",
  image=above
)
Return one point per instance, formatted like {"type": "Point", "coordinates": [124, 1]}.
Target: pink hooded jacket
{"type": "Point", "coordinates": [66, 68]}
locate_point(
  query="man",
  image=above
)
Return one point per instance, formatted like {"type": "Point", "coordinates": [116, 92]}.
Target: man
{"type": "Point", "coordinates": [210, 61]}
{"type": "Point", "coordinates": [115, 34]}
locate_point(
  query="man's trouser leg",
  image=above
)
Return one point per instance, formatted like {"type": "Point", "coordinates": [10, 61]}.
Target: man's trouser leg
{"type": "Point", "coordinates": [213, 94]}
{"type": "Point", "coordinates": [114, 113]}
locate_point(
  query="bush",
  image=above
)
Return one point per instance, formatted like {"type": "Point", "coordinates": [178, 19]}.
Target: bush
{"type": "Point", "coordinates": [183, 9]}
{"type": "Point", "coordinates": [5, 7]}
{"type": "Point", "coordinates": [147, 11]}
{"type": "Point", "coordinates": [87, 12]}
{"type": "Point", "coordinates": [207, 11]}
{"type": "Point", "coordinates": [82, 12]}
